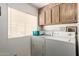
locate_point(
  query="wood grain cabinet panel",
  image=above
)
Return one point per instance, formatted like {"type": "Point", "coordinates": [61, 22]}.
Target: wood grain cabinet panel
{"type": "Point", "coordinates": [68, 13]}
{"type": "Point", "coordinates": [48, 16]}
{"type": "Point", "coordinates": [58, 14]}
{"type": "Point", "coordinates": [55, 15]}
{"type": "Point", "coordinates": [42, 18]}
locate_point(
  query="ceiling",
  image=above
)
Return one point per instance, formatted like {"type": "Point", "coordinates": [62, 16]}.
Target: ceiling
{"type": "Point", "coordinates": [38, 5]}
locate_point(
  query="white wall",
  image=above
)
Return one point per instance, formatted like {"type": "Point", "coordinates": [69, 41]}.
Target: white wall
{"type": "Point", "coordinates": [27, 8]}
{"type": "Point", "coordinates": [20, 46]}
{"type": "Point", "coordinates": [3, 29]}
{"type": "Point", "coordinates": [59, 26]}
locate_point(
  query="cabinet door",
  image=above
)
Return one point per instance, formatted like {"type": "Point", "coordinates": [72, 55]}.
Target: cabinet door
{"type": "Point", "coordinates": [37, 46]}
{"type": "Point", "coordinates": [55, 15]}
{"type": "Point", "coordinates": [48, 16]}
{"type": "Point", "coordinates": [68, 13]}
{"type": "Point", "coordinates": [41, 18]}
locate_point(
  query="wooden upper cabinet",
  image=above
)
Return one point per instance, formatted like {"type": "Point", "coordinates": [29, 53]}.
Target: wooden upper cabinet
{"type": "Point", "coordinates": [41, 18]}
{"type": "Point", "coordinates": [68, 13]}
{"type": "Point", "coordinates": [48, 16]}
{"type": "Point", "coordinates": [55, 15]}
{"type": "Point", "coordinates": [58, 13]}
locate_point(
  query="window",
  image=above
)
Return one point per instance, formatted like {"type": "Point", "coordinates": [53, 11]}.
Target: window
{"type": "Point", "coordinates": [20, 23]}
